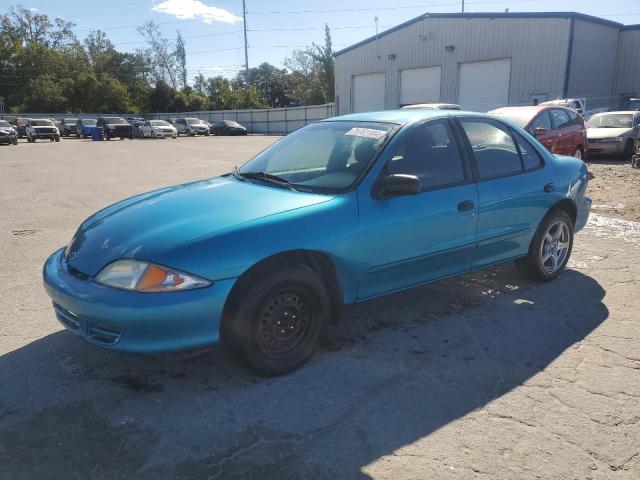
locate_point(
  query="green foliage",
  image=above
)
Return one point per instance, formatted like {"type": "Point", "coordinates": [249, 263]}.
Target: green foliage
{"type": "Point", "coordinates": [45, 68]}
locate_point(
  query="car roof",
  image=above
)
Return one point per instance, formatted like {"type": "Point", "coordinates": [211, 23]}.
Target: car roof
{"type": "Point", "coordinates": [526, 108]}
{"type": "Point", "coordinates": [402, 117]}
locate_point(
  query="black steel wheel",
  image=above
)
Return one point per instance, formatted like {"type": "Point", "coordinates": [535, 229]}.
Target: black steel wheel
{"type": "Point", "coordinates": [276, 325]}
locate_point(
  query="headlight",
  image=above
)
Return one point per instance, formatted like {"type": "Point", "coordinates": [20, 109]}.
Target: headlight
{"type": "Point", "coordinates": [612, 140]}
{"type": "Point", "coordinates": [147, 277]}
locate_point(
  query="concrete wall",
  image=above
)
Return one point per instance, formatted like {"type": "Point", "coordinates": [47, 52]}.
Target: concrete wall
{"type": "Point", "coordinates": [593, 63]}
{"type": "Point", "coordinates": [538, 49]}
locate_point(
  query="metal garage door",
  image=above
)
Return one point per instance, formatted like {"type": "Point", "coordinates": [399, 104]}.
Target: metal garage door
{"type": "Point", "coordinates": [484, 86]}
{"type": "Point", "coordinates": [420, 85]}
{"type": "Point", "coordinates": [368, 92]}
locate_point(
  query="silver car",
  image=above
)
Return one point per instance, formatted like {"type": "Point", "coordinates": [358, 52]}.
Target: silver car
{"type": "Point", "coordinates": [191, 126]}
{"type": "Point", "coordinates": [613, 133]}
{"type": "Point", "coordinates": [157, 129]}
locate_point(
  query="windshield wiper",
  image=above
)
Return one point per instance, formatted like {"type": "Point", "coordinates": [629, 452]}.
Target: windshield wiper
{"type": "Point", "coordinates": [237, 175]}
{"type": "Point", "coordinates": [266, 177]}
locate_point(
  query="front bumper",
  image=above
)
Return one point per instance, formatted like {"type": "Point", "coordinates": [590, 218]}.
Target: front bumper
{"type": "Point", "coordinates": [40, 135]}
{"type": "Point", "coordinates": [606, 148]}
{"type": "Point", "coordinates": [582, 217]}
{"type": "Point", "coordinates": [134, 321]}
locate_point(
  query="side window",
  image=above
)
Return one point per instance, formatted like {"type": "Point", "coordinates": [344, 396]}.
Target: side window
{"type": "Point", "coordinates": [493, 147]}
{"type": "Point", "coordinates": [560, 118]}
{"type": "Point", "coordinates": [530, 156]}
{"type": "Point", "coordinates": [430, 152]}
{"type": "Point", "coordinates": [573, 117]}
{"type": "Point", "coordinates": [542, 121]}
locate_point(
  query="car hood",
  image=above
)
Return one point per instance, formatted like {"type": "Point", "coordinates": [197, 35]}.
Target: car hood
{"type": "Point", "coordinates": [597, 133]}
{"type": "Point", "coordinates": [7, 130]}
{"type": "Point", "coordinates": [148, 226]}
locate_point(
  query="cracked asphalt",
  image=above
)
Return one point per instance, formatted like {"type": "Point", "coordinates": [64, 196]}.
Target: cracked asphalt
{"type": "Point", "coordinates": [481, 377]}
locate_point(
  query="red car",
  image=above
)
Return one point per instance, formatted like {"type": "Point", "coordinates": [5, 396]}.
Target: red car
{"type": "Point", "coordinates": [559, 129]}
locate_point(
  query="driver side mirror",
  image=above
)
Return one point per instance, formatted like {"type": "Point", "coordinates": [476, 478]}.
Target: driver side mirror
{"type": "Point", "coordinates": [399, 184]}
{"type": "Point", "coordinates": [539, 131]}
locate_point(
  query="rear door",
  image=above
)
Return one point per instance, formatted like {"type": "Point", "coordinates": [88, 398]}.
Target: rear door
{"type": "Point", "coordinates": [565, 131]}
{"type": "Point", "coordinates": [515, 189]}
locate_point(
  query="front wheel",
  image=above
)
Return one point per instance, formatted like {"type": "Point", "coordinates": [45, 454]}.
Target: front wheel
{"type": "Point", "coordinates": [14, 140]}
{"type": "Point", "coordinates": [578, 153]}
{"type": "Point", "coordinates": [628, 150]}
{"type": "Point", "coordinates": [278, 323]}
{"type": "Point", "coordinates": [550, 248]}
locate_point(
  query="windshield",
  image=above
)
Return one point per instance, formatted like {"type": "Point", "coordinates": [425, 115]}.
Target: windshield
{"type": "Point", "coordinates": [231, 123]}
{"type": "Point", "coordinates": [519, 118]}
{"type": "Point", "coordinates": [324, 155]}
{"type": "Point", "coordinates": [609, 120]}
{"type": "Point", "coordinates": [70, 120]}
{"type": "Point", "coordinates": [194, 121]}
{"type": "Point", "coordinates": [115, 121]}
{"type": "Point", "coordinates": [41, 123]}
{"type": "Point", "coordinates": [159, 123]}
{"type": "Point", "coordinates": [4, 123]}
{"type": "Point", "coordinates": [89, 122]}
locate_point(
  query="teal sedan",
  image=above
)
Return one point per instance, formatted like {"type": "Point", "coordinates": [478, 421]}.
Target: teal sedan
{"type": "Point", "coordinates": [263, 258]}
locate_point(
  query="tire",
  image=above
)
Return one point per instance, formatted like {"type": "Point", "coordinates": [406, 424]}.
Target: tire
{"type": "Point", "coordinates": [292, 304]}
{"type": "Point", "coordinates": [14, 141]}
{"type": "Point", "coordinates": [628, 150]}
{"type": "Point", "coordinates": [578, 153]}
{"type": "Point", "coordinates": [191, 134]}
{"type": "Point", "coordinates": [52, 139]}
{"type": "Point", "coordinates": [107, 136]}
{"type": "Point", "coordinates": [553, 240]}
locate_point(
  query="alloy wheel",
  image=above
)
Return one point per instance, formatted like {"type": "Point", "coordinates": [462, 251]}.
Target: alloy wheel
{"type": "Point", "coordinates": [554, 247]}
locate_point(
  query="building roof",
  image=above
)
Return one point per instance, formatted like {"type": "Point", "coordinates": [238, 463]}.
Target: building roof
{"type": "Point", "coordinates": [569, 15]}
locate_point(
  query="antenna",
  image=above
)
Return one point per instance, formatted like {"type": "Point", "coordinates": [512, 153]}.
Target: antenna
{"type": "Point", "coordinates": [246, 48]}
{"type": "Point", "coordinates": [377, 40]}
{"type": "Point", "coordinates": [462, 6]}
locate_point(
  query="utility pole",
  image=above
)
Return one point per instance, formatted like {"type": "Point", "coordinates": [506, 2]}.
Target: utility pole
{"type": "Point", "coordinates": [462, 6]}
{"type": "Point", "coordinates": [246, 48]}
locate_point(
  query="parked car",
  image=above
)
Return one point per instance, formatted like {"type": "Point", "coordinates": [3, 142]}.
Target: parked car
{"type": "Point", "coordinates": [67, 127]}
{"type": "Point", "coordinates": [8, 134]}
{"type": "Point", "coordinates": [114, 127]}
{"type": "Point", "coordinates": [613, 133]}
{"type": "Point", "coordinates": [339, 211]}
{"type": "Point", "coordinates": [228, 127]}
{"type": "Point", "coordinates": [20, 125]}
{"type": "Point", "coordinates": [83, 127]}
{"type": "Point", "coordinates": [561, 130]}
{"type": "Point", "coordinates": [41, 129]}
{"type": "Point", "coordinates": [577, 104]}
{"type": "Point", "coordinates": [190, 126]}
{"type": "Point", "coordinates": [434, 106]}
{"type": "Point", "coordinates": [158, 129]}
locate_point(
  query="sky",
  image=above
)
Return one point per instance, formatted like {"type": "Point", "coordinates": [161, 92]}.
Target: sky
{"type": "Point", "coordinates": [212, 29]}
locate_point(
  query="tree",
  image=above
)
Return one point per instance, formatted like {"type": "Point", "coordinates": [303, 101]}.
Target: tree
{"type": "Point", "coordinates": [323, 55]}
{"type": "Point", "coordinates": [181, 59]}
{"type": "Point", "coordinates": [272, 84]}
{"type": "Point", "coordinates": [163, 61]}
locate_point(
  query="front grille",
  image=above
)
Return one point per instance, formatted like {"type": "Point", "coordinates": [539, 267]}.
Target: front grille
{"type": "Point", "coordinates": [104, 333]}
{"type": "Point", "coordinates": [67, 318]}
{"type": "Point", "coordinates": [45, 130]}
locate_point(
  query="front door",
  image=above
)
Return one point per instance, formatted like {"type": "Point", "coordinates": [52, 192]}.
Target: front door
{"type": "Point", "coordinates": [412, 239]}
{"type": "Point", "coordinates": [565, 131]}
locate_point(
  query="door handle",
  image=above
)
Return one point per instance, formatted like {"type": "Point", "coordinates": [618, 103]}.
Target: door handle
{"type": "Point", "coordinates": [549, 187]}
{"type": "Point", "coordinates": [466, 206]}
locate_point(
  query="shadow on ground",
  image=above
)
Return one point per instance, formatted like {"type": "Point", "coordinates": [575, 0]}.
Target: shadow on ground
{"type": "Point", "coordinates": [393, 371]}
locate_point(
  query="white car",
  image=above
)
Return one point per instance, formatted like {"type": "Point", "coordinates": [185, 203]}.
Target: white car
{"type": "Point", "coordinates": [191, 127]}
{"type": "Point", "coordinates": [41, 128]}
{"type": "Point", "coordinates": [158, 129]}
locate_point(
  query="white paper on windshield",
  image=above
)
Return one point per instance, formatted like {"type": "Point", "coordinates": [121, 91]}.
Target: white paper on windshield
{"type": "Point", "coordinates": [366, 133]}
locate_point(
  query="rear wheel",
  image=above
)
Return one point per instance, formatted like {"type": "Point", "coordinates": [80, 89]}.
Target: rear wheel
{"type": "Point", "coordinates": [278, 323]}
{"type": "Point", "coordinates": [57, 139]}
{"type": "Point", "coordinates": [550, 248]}
{"type": "Point", "coordinates": [578, 153]}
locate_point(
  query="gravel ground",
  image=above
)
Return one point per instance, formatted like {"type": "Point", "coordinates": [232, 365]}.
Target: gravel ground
{"type": "Point", "coordinates": [483, 376]}
{"type": "Point", "coordinates": [615, 188]}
